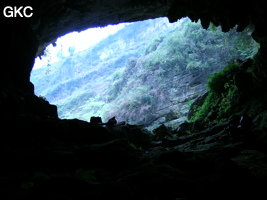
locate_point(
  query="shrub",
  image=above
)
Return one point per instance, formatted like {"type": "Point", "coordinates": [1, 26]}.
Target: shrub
{"type": "Point", "coordinates": [220, 81]}
{"type": "Point", "coordinates": [154, 44]}
{"type": "Point", "coordinates": [222, 95]}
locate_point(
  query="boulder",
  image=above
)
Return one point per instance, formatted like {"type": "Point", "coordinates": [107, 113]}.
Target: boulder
{"type": "Point", "coordinates": [161, 132]}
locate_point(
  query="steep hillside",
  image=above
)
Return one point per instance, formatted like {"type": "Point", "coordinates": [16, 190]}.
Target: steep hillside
{"type": "Point", "coordinates": [147, 73]}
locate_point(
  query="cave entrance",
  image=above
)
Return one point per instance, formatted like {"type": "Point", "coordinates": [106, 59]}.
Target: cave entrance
{"type": "Point", "coordinates": [148, 72]}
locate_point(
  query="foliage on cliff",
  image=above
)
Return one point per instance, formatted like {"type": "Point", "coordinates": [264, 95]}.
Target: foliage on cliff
{"type": "Point", "coordinates": [223, 92]}
{"type": "Point", "coordinates": [147, 76]}
{"type": "Point", "coordinates": [235, 91]}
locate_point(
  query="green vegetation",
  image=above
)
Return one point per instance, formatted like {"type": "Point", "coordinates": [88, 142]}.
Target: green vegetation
{"type": "Point", "coordinates": [222, 93]}
{"type": "Point", "coordinates": [151, 76]}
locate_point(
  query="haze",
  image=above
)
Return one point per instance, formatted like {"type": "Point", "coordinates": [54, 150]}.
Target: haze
{"type": "Point", "coordinates": [80, 40]}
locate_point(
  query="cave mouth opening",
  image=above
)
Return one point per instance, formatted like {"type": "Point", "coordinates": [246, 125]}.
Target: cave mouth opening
{"type": "Point", "coordinates": [148, 72]}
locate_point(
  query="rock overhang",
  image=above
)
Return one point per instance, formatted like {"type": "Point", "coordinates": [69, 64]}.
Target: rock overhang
{"type": "Point", "coordinates": [26, 38]}
{"type": "Point", "coordinates": [54, 18]}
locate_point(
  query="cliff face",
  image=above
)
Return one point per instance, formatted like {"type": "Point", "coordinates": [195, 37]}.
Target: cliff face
{"type": "Point", "coordinates": [25, 38]}
{"type": "Point", "coordinates": [43, 157]}
{"type": "Point", "coordinates": [149, 76]}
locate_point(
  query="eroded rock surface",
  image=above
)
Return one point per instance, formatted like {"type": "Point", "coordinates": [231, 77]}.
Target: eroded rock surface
{"type": "Point", "coordinates": [47, 158]}
{"type": "Point", "coordinates": [72, 159]}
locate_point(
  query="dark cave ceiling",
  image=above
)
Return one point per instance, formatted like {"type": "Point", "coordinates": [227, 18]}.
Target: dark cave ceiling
{"type": "Point", "coordinates": [25, 38]}
{"type": "Point", "coordinates": [54, 18]}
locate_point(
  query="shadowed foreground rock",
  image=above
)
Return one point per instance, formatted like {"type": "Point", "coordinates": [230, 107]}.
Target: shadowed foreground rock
{"type": "Point", "coordinates": [71, 159]}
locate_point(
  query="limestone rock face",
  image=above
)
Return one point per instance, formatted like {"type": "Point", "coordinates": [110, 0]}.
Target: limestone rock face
{"type": "Point", "coordinates": [24, 38]}
{"type": "Point", "coordinates": [47, 158]}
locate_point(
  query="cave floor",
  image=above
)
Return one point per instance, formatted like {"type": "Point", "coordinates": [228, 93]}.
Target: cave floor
{"type": "Point", "coordinates": [72, 159]}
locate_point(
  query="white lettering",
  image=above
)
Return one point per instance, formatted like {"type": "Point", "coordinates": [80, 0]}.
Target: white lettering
{"type": "Point", "coordinates": [17, 11]}
{"type": "Point", "coordinates": [24, 11]}
{"type": "Point", "coordinates": [8, 13]}
{"type": "Point", "coordinates": [21, 11]}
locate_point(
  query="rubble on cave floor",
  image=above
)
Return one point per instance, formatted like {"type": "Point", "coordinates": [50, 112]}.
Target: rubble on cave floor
{"type": "Point", "coordinates": [72, 159]}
